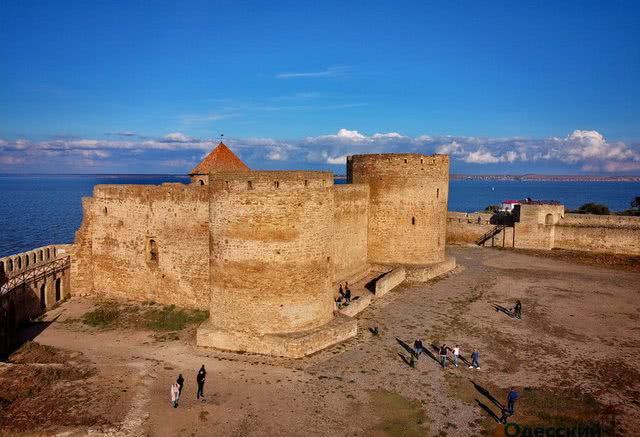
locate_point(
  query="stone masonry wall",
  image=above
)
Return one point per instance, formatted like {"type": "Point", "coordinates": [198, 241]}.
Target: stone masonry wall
{"type": "Point", "coordinates": [613, 234]}
{"type": "Point", "coordinates": [271, 252]}
{"type": "Point", "coordinates": [351, 208]}
{"type": "Point", "coordinates": [145, 242]}
{"type": "Point", "coordinates": [536, 229]}
{"type": "Point", "coordinates": [464, 228]}
{"type": "Point", "coordinates": [407, 207]}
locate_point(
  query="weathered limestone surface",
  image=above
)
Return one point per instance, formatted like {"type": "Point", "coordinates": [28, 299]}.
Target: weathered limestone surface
{"type": "Point", "coordinates": [549, 227]}
{"type": "Point", "coordinates": [271, 248]}
{"type": "Point", "coordinates": [262, 250]}
{"type": "Point", "coordinates": [351, 209]}
{"type": "Point", "coordinates": [407, 205]}
{"type": "Point", "coordinates": [114, 244]}
{"type": "Point", "coordinates": [390, 280]}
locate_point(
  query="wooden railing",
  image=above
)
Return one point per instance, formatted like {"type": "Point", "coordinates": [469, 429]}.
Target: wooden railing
{"type": "Point", "coordinates": [38, 271]}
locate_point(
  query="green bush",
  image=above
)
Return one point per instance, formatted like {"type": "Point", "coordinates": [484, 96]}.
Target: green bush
{"type": "Point", "coordinates": [593, 208]}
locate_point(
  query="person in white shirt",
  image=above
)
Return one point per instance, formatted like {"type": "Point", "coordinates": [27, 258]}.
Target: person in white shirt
{"type": "Point", "coordinates": [456, 354]}
{"type": "Point", "coordinates": [175, 394]}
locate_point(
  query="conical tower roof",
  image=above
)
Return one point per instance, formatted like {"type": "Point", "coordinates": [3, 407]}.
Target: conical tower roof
{"type": "Point", "coordinates": [221, 159]}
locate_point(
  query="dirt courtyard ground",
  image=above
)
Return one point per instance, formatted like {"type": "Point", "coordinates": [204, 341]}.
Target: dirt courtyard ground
{"type": "Point", "coordinates": [573, 358]}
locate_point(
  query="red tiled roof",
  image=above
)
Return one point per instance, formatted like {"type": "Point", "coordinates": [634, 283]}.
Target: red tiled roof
{"type": "Point", "coordinates": [221, 159]}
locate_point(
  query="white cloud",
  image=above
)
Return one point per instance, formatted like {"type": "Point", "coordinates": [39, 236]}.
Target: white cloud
{"type": "Point", "coordinates": [583, 150]}
{"type": "Point", "coordinates": [481, 156]}
{"type": "Point", "coordinates": [178, 137]}
{"type": "Point", "coordinates": [452, 148]}
{"type": "Point", "coordinates": [342, 160]}
{"type": "Point", "coordinates": [276, 154]}
{"type": "Point", "coordinates": [327, 72]}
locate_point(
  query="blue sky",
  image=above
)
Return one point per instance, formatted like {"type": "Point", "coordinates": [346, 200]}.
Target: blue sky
{"type": "Point", "coordinates": [505, 87]}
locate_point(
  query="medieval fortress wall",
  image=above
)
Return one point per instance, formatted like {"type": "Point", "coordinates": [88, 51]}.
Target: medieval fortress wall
{"type": "Point", "coordinates": [263, 250]}
{"type": "Point", "coordinates": [548, 227]}
{"type": "Point", "coordinates": [271, 240]}
{"type": "Point", "coordinates": [145, 242]}
{"type": "Point", "coordinates": [407, 205]}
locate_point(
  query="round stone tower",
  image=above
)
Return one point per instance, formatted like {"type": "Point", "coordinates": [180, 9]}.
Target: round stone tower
{"type": "Point", "coordinates": [270, 261]}
{"type": "Point", "coordinates": [407, 205]}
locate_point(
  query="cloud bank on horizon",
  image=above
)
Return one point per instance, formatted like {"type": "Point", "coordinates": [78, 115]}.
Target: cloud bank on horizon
{"type": "Point", "coordinates": [582, 151]}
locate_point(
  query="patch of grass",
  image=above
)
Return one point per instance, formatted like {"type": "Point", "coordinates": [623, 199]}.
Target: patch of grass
{"type": "Point", "coordinates": [170, 318]}
{"type": "Point", "coordinates": [101, 317]}
{"type": "Point", "coordinates": [113, 314]}
{"type": "Point", "coordinates": [536, 407]}
{"type": "Point", "coordinates": [400, 417]}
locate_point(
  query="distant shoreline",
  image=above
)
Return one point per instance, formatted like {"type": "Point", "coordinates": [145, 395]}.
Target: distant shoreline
{"type": "Point", "coordinates": [454, 177]}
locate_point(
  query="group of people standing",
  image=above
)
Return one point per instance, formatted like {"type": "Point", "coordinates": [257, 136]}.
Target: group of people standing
{"type": "Point", "coordinates": [176, 387]}
{"type": "Point", "coordinates": [344, 295]}
{"type": "Point", "coordinates": [443, 352]}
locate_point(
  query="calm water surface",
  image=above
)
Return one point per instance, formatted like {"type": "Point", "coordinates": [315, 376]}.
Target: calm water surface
{"type": "Point", "coordinates": [46, 209]}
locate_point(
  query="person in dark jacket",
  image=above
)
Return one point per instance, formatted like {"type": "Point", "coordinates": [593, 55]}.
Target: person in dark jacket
{"type": "Point", "coordinates": [518, 310]}
{"type": "Point", "coordinates": [347, 295]}
{"type": "Point", "coordinates": [417, 348]}
{"type": "Point", "coordinates": [511, 400]}
{"type": "Point", "coordinates": [443, 355]}
{"type": "Point", "coordinates": [180, 382]}
{"type": "Point", "coordinates": [475, 359]}
{"type": "Point", "coordinates": [202, 374]}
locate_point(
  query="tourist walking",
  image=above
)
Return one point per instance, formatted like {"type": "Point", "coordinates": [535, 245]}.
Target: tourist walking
{"type": "Point", "coordinates": [511, 400]}
{"type": "Point", "coordinates": [202, 374]}
{"type": "Point", "coordinates": [417, 348]}
{"type": "Point", "coordinates": [518, 310]}
{"type": "Point", "coordinates": [180, 382]}
{"type": "Point", "coordinates": [475, 359]}
{"type": "Point", "coordinates": [175, 394]}
{"type": "Point", "coordinates": [456, 355]}
{"type": "Point", "coordinates": [443, 355]}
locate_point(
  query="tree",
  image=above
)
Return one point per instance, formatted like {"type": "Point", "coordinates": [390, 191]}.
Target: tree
{"type": "Point", "coordinates": [635, 203]}
{"type": "Point", "coordinates": [593, 208]}
{"type": "Point", "coordinates": [492, 208]}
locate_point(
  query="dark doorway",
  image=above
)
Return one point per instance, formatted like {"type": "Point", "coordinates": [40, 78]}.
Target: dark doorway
{"type": "Point", "coordinates": [43, 297]}
{"type": "Point", "coordinates": [58, 287]}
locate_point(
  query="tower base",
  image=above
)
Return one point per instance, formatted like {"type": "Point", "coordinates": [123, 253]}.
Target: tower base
{"type": "Point", "coordinates": [290, 345]}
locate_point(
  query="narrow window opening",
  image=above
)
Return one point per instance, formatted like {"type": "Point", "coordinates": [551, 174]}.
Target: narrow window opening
{"type": "Point", "coordinates": [276, 184]}
{"type": "Point", "coordinates": [40, 255]}
{"type": "Point", "coordinates": [201, 182]}
{"type": "Point", "coordinates": [421, 160]}
{"type": "Point", "coordinates": [54, 252]}
{"type": "Point", "coordinates": [1, 269]}
{"type": "Point", "coordinates": [34, 259]}
{"type": "Point", "coordinates": [250, 185]}
{"type": "Point", "coordinates": [413, 220]}
{"type": "Point", "coordinates": [47, 253]}
{"type": "Point", "coordinates": [437, 193]}
{"type": "Point", "coordinates": [153, 251]}
{"type": "Point", "coordinates": [26, 261]}
{"type": "Point", "coordinates": [10, 265]}
{"type": "Point", "coordinates": [104, 210]}
{"type": "Point", "coordinates": [43, 297]}
{"type": "Point", "coordinates": [58, 289]}
{"type": "Point", "coordinates": [405, 160]}
{"type": "Point", "coordinates": [19, 263]}
{"type": "Point", "coordinates": [306, 183]}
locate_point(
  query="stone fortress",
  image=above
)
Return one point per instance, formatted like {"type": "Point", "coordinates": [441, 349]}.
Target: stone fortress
{"type": "Point", "coordinates": [263, 251]}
